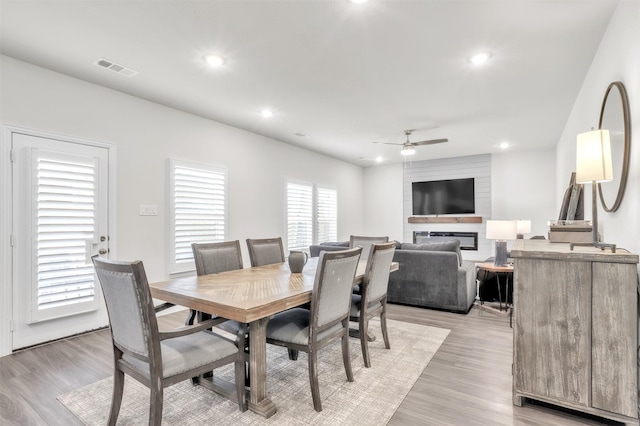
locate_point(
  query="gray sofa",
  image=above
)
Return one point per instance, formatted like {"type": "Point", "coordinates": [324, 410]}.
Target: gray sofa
{"type": "Point", "coordinates": [431, 275]}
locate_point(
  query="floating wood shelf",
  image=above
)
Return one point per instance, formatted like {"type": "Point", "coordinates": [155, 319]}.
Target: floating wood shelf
{"type": "Point", "coordinates": [445, 219]}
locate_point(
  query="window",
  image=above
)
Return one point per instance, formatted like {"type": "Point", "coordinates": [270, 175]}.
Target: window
{"type": "Point", "coordinates": [198, 206]}
{"type": "Point", "coordinates": [311, 215]}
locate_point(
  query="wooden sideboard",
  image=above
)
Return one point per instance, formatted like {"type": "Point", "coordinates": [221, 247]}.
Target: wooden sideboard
{"type": "Point", "coordinates": [575, 328]}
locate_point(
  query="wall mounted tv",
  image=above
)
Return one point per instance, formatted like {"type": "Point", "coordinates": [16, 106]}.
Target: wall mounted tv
{"type": "Point", "coordinates": [454, 196]}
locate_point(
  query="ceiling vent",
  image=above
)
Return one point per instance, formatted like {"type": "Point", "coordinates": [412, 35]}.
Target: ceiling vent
{"type": "Point", "coordinates": [117, 68]}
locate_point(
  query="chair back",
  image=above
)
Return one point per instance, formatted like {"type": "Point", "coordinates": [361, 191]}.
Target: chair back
{"type": "Point", "coordinates": [265, 251]}
{"type": "Point", "coordinates": [376, 277]}
{"type": "Point", "coordinates": [331, 297]}
{"type": "Point", "coordinates": [212, 258]}
{"type": "Point", "coordinates": [129, 306]}
{"type": "Point", "coordinates": [365, 243]}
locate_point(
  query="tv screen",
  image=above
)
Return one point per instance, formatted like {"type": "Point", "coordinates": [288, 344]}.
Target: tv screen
{"type": "Point", "coordinates": [455, 196]}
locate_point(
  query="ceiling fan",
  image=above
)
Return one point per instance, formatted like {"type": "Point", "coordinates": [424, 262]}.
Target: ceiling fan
{"type": "Point", "coordinates": [408, 147]}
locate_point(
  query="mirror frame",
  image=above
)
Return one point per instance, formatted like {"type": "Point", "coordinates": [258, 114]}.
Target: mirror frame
{"type": "Point", "coordinates": [627, 144]}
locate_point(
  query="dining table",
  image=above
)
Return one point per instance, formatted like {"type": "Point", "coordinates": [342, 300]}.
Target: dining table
{"type": "Point", "coordinates": [250, 296]}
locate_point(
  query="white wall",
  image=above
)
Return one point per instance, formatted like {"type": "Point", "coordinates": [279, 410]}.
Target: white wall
{"type": "Point", "coordinates": [146, 135]}
{"type": "Point", "coordinates": [383, 201]}
{"type": "Point", "coordinates": [523, 187]}
{"type": "Point", "coordinates": [617, 59]}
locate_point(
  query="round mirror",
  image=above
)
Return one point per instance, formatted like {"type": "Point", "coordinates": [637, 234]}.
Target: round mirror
{"type": "Point", "coordinates": [614, 116]}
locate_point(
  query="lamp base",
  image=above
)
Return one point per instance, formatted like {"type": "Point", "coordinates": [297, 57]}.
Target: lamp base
{"type": "Point", "coordinates": [501, 253]}
{"type": "Point", "coordinates": [601, 246]}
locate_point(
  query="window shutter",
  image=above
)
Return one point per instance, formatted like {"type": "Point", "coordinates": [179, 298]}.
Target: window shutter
{"type": "Point", "coordinates": [198, 208]}
{"type": "Point", "coordinates": [65, 214]}
{"type": "Point", "coordinates": [299, 216]}
{"type": "Point", "coordinates": [327, 215]}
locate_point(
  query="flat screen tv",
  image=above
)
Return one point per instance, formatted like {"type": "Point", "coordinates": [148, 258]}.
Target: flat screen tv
{"type": "Point", "coordinates": [454, 196]}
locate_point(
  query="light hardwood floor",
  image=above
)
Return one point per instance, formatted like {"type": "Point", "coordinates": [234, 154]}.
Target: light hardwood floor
{"type": "Point", "coordinates": [468, 381]}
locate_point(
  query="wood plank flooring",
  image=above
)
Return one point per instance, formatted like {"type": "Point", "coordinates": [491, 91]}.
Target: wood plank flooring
{"type": "Point", "coordinates": [468, 382]}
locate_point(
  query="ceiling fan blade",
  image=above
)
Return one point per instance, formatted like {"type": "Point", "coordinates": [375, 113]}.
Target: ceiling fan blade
{"type": "Point", "coordinates": [429, 142]}
{"type": "Point", "coordinates": [388, 143]}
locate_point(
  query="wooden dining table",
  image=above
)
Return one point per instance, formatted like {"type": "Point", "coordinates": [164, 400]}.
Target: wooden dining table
{"type": "Point", "coordinates": [250, 296]}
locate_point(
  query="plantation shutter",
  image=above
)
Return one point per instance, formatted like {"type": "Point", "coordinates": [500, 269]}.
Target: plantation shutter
{"type": "Point", "coordinates": [198, 209]}
{"type": "Point", "coordinates": [64, 211]}
{"type": "Point", "coordinates": [299, 216]}
{"type": "Point", "coordinates": [326, 215]}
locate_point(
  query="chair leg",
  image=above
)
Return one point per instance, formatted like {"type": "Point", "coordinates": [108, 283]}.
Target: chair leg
{"type": "Point", "coordinates": [346, 355]}
{"type": "Point", "coordinates": [116, 398]}
{"type": "Point", "coordinates": [364, 329]}
{"type": "Point", "coordinates": [313, 380]}
{"type": "Point", "coordinates": [155, 409]}
{"type": "Point", "coordinates": [191, 318]}
{"type": "Point", "coordinates": [293, 354]}
{"type": "Point", "coordinates": [383, 324]}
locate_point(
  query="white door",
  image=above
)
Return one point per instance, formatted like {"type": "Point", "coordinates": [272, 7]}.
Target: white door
{"type": "Point", "coordinates": [60, 219]}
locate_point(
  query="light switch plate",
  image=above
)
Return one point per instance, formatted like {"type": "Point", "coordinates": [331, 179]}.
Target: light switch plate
{"type": "Point", "coordinates": [148, 210]}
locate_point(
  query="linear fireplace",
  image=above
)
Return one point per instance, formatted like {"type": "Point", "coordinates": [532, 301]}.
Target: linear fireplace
{"type": "Point", "coordinates": [468, 240]}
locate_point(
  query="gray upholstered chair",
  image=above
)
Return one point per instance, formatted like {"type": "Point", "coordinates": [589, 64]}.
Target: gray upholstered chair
{"type": "Point", "coordinates": [306, 330]}
{"type": "Point", "coordinates": [365, 243]}
{"type": "Point", "coordinates": [154, 358]}
{"type": "Point", "coordinates": [373, 301]}
{"type": "Point", "coordinates": [213, 258]}
{"type": "Point", "coordinates": [265, 251]}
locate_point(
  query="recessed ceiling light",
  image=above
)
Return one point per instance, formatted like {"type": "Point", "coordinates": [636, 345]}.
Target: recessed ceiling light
{"type": "Point", "coordinates": [266, 113]}
{"type": "Point", "coordinates": [358, 1]}
{"type": "Point", "coordinates": [379, 159]}
{"type": "Point", "coordinates": [214, 60]}
{"type": "Point", "coordinates": [504, 145]}
{"type": "Point", "coordinates": [480, 58]}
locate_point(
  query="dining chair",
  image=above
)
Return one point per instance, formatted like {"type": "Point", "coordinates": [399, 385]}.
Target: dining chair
{"type": "Point", "coordinates": [213, 258]}
{"type": "Point", "coordinates": [365, 243]}
{"type": "Point", "coordinates": [307, 330]}
{"type": "Point", "coordinates": [265, 251]}
{"type": "Point", "coordinates": [156, 359]}
{"type": "Point", "coordinates": [373, 300]}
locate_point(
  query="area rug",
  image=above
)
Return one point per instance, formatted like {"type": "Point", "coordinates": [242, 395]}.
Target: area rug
{"type": "Point", "coordinates": [371, 399]}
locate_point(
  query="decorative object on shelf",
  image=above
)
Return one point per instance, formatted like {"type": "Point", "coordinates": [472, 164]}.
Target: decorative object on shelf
{"type": "Point", "coordinates": [573, 201]}
{"type": "Point", "coordinates": [570, 231]}
{"type": "Point", "coordinates": [522, 227]}
{"type": "Point", "coordinates": [614, 116]}
{"type": "Point", "coordinates": [593, 164]}
{"type": "Point", "coordinates": [501, 231]}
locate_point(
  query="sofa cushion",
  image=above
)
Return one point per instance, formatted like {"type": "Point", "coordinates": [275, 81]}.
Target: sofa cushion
{"type": "Point", "coordinates": [452, 245]}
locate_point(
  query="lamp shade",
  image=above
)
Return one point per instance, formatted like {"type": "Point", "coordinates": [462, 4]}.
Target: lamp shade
{"type": "Point", "coordinates": [501, 229]}
{"type": "Point", "coordinates": [593, 157]}
{"type": "Point", "coordinates": [523, 226]}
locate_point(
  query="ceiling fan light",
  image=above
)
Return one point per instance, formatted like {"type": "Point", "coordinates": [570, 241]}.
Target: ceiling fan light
{"type": "Point", "coordinates": [407, 151]}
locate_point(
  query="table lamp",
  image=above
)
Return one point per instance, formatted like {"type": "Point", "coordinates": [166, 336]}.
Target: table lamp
{"type": "Point", "coordinates": [522, 227]}
{"type": "Point", "coordinates": [501, 231]}
{"type": "Point", "coordinates": [593, 165]}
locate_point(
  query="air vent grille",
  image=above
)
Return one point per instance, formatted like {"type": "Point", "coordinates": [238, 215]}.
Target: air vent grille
{"type": "Point", "coordinates": [117, 68]}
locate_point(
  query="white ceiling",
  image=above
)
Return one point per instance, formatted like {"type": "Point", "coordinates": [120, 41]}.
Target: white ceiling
{"type": "Point", "coordinates": [343, 74]}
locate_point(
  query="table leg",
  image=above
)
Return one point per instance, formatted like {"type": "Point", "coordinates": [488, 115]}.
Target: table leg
{"type": "Point", "coordinates": [258, 401]}
{"type": "Point", "coordinates": [499, 291]}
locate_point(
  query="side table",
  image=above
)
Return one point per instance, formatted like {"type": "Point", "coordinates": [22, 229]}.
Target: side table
{"type": "Point", "coordinates": [507, 272]}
